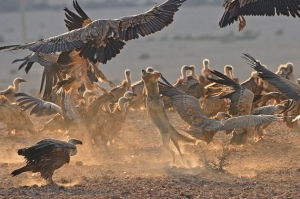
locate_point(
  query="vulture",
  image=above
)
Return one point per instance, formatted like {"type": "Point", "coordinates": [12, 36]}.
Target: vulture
{"type": "Point", "coordinates": [120, 90]}
{"type": "Point", "coordinates": [14, 118]}
{"type": "Point", "coordinates": [253, 83]}
{"type": "Point", "coordinates": [102, 39]}
{"type": "Point", "coordinates": [237, 9]}
{"type": "Point", "coordinates": [182, 81]}
{"type": "Point", "coordinates": [289, 88]}
{"type": "Point", "coordinates": [12, 89]}
{"type": "Point", "coordinates": [286, 71]}
{"type": "Point", "coordinates": [241, 104]}
{"type": "Point", "coordinates": [201, 126]}
{"type": "Point", "coordinates": [66, 65]}
{"type": "Point", "coordinates": [106, 125]}
{"type": "Point", "coordinates": [228, 71]}
{"type": "Point", "coordinates": [46, 156]}
{"type": "Point", "coordinates": [70, 113]}
{"type": "Point", "coordinates": [205, 73]}
{"type": "Point", "coordinates": [195, 89]}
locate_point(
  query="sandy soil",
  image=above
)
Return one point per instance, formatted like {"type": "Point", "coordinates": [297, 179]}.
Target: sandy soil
{"type": "Point", "coordinates": [137, 166]}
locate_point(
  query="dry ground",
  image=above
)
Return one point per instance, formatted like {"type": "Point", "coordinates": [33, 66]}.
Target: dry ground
{"type": "Point", "coordinates": [138, 167]}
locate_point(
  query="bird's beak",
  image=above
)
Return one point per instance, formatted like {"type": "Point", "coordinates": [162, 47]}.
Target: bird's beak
{"type": "Point", "coordinates": [23, 80]}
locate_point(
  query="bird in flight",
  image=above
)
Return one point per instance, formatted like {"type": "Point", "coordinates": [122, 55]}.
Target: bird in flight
{"type": "Point", "coordinates": [102, 39]}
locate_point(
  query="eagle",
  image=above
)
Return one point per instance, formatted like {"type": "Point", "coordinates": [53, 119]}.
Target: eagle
{"type": "Point", "coordinates": [237, 9]}
{"type": "Point", "coordinates": [46, 156]}
{"type": "Point", "coordinates": [102, 39]}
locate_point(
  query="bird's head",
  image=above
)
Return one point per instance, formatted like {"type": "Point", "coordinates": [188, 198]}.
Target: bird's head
{"type": "Point", "coordinates": [127, 72]}
{"type": "Point", "coordinates": [74, 141]}
{"type": "Point", "coordinates": [149, 69]}
{"type": "Point", "coordinates": [206, 62]}
{"type": "Point", "coordinates": [19, 80]}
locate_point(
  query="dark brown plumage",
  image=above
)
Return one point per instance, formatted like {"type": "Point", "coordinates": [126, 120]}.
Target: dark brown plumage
{"type": "Point", "coordinates": [46, 156]}
{"type": "Point", "coordinates": [236, 9]}
{"type": "Point", "coordinates": [101, 40]}
{"type": "Point", "coordinates": [289, 88]}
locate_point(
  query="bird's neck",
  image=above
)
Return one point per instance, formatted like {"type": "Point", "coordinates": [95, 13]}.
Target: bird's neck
{"type": "Point", "coordinates": [16, 86]}
{"type": "Point", "coordinates": [128, 79]}
{"type": "Point", "coordinates": [183, 75]}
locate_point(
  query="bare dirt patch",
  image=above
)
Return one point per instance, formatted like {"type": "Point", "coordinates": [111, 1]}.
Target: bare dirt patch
{"type": "Point", "coordinates": [137, 166]}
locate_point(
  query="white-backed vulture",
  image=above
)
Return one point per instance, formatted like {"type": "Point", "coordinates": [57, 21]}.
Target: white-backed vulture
{"type": "Point", "coordinates": [236, 9]}
{"type": "Point", "coordinates": [120, 90]}
{"type": "Point", "coordinates": [12, 89]}
{"type": "Point", "coordinates": [102, 39]}
{"type": "Point", "coordinates": [228, 71]}
{"type": "Point", "coordinates": [201, 126]}
{"type": "Point", "coordinates": [46, 156]}
{"type": "Point", "coordinates": [182, 81]}
{"type": "Point", "coordinates": [205, 73]}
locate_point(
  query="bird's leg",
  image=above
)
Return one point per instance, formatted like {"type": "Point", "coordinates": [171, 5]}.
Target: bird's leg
{"type": "Point", "coordinates": [242, 23]}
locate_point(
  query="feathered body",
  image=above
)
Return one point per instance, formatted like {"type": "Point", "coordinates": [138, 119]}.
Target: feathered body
{"type": "Point", "coordinates": [46, 156]}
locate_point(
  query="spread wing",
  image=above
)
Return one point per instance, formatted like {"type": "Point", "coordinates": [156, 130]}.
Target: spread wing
{"type": "Point", "coordinates": [187, 106]}
{"type": "Point", "coordinates": [258, 8]}
{"type": "Point", "coordinates": [291, 89]}
{"type": "Point", "coordinates": [27, 101]}
{"type": "Point", "coordinates": [75, 21]}
{"type": "Point", "coordinates": [51, 72]}
{"type": "Point", "coordinates": [149, 22]}
{"type": "Point", "coordinates": [241, 98]}
{"type": "Point", "coordinates": [264, 110]}
{"type": "Point", "coordinates": [241, 122]}
{"type": "Point", "coordinates": [6, 91]}
{"type": "Point", "coordinates": [101, 40]}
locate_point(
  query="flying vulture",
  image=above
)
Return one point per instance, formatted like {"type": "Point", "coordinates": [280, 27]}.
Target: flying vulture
{"type": "Point", "coordinates": [237, 9]}
{"type": "Point", "coordinates": [102, 39]}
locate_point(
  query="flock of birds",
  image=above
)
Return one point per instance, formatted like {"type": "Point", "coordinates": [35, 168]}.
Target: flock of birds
{"type": "Point", "coordinates": [208, 103]}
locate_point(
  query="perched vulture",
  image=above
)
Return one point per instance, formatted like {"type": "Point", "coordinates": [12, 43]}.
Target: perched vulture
{"type": "Point", "coordinates": [236, 9]}
{"type": "Point", "coordinates": [201, 126]}
{"type": "Point", "coordinates": [102, 39]}
{"type": "Point", "coordinates": [106, 125]}
{"type": "Point", "coordinates": [46, 156]}
{"type": "Point", "coordinates": [12, 89]}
